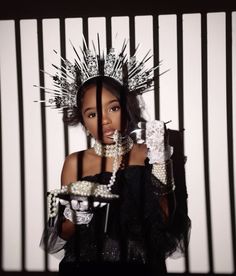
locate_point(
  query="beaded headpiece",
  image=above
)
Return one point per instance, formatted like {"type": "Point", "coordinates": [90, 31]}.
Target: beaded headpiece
{"type": "Point", "coordinates": [91, 64]}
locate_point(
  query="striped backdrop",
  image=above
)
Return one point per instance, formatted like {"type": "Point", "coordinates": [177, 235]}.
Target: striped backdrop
{"type": "Point", "coordinates": [197, 94]}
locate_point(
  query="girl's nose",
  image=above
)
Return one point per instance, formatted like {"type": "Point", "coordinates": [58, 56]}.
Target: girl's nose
{"type": "Point", "coordinates": [105, 118]}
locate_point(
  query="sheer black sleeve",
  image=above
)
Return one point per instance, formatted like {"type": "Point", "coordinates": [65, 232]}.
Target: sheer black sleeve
{"type": "Point", "coordinates": [169, 236]}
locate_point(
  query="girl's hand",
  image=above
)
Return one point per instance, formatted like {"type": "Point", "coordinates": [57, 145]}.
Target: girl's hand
{"type": "Point", "coordinates": [156, 139]}
{"type": "Point", "coordinates": [78, 211]}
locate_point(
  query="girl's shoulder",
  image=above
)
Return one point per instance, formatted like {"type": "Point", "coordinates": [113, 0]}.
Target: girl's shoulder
{"type": "Point", "coordinates": [74, 161]}
{"type": "Point", "coordinates": [73, 157]}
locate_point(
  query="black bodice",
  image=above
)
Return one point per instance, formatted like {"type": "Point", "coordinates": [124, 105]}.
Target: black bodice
{"type": "Point", "coordinates": [136, 235]}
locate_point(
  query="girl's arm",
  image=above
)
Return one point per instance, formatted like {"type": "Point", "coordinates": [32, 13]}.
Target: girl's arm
{"type": "Point", "coordinates": [68, 175]}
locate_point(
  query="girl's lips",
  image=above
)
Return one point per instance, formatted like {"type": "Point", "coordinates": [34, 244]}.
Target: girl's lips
{"type": "Point", "coordinates": [108, 132]}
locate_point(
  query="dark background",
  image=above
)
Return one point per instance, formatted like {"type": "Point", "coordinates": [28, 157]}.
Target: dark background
{"type": "Point", "coordinates": [10, 9]}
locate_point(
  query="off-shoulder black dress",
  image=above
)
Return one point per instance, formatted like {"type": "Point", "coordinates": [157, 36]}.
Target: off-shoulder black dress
{"type": "Point", "coordinates": [133, 234]}
{"type": "Point", "coordinates": [138, 238]}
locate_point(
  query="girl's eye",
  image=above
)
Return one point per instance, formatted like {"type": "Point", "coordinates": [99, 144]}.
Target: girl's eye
{"type": "Point", "coordinates": [115, 108]}
{"type": "Point", "coordinates": [91, 115]}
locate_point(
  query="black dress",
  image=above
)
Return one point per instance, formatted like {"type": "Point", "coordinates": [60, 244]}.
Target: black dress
{"type": "Point", "coordinates": [137, 239]}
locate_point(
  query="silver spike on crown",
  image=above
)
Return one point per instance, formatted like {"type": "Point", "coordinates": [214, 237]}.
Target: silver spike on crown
{"type": "Point", "coordinates": [70, 77]}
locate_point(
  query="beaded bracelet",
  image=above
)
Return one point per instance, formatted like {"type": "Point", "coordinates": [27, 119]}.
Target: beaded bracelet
{"type": "Point", "coordinates": [162, 177]}
{"type": "Point", "coordinates": [163, 172]}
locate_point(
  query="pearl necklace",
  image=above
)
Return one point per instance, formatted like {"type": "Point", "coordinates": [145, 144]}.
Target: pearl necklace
{"type": "Point", "coordinates": [121, 146]}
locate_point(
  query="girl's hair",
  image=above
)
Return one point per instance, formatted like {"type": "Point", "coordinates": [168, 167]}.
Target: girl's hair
{"type": "Point", "coordinates": [131, 111]}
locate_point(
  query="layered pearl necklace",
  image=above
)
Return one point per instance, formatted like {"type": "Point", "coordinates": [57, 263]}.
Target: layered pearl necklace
{"type": "Point", "coordinates": [121, 146]}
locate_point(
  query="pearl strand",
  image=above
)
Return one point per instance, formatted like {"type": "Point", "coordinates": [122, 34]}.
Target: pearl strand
{"type": "Point", "coordinates": [53, 201]}
{"type": "Point", "coordinates": [106, 189]}
{"type": "Point", "coordinates": [115, 167]}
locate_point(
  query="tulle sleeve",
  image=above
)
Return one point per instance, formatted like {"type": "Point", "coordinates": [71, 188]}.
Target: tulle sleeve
{"type": "Point", "coordinates": [50, 241]}
{"type": "Point", "coordinates": [170, 237]}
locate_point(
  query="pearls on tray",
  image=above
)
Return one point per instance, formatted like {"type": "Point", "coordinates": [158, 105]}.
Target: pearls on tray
{"type": "Point", "coordinates": [80, 188]}
{"type": "Point", "coordinates": [104, 191]}
{"type": "Point", "coordinates": [87, 188]}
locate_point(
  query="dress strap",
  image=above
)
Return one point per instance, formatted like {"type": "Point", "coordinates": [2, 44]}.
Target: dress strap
{"type": "Point", "coordinates": [80, 156]}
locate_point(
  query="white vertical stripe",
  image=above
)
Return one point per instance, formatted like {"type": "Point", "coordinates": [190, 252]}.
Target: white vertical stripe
{"type": "Point", "coordinates": [74, 33]}
{"type": "Point", "coordinates": [54, 125]}
{"type": "Point", "coordinates": [120, 32]}
{"type": "Point", "coordinates": [168, 81]}
{"type": "Point", "coordinates": [219, 182]}
{"type": "Point", "coordinates": [169, 90]}
{"type": "Point", "coordinates": [33, 146]}
{"type": "Point", "coordinates": [10, 149]}
{"type": "Point", "coordinates": [234, 95]}
{"type": "Point", "coordinates": [144, 37]}
{"type": "Point", "coordinates": [194, 142]}
{"type": "Point", "coordinates": [97, 25]}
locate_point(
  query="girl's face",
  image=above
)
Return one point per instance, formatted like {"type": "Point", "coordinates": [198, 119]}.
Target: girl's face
{"type": "Point", "coordinates": [110, 114]}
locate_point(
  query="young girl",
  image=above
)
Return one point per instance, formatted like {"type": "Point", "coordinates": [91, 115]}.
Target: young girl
{"type": "Point", "coordinates": [119, 210]}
